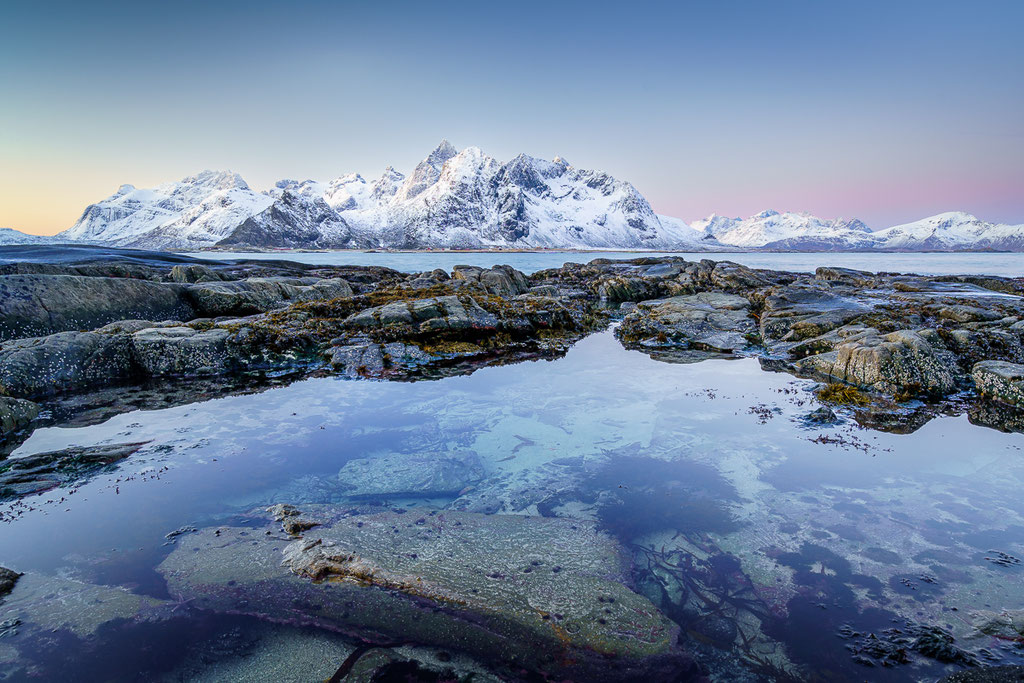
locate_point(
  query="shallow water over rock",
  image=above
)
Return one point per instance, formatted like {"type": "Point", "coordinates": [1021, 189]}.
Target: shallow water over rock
{"type": "Point", "coordinates": [778, 539]}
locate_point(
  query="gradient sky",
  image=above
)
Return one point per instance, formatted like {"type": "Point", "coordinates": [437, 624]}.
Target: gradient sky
{"type": "Point", "coordinates": [887, 111]}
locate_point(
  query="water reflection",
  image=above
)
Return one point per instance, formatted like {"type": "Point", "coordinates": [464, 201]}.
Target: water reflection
{"type": "Point", "coordinates": [807, 549]}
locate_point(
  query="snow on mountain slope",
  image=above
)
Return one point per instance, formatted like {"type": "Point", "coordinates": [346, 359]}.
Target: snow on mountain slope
{"type": "Point", "coordinates": [952, 231]}
{"type": "Point", "coordinates": [12, 236]}
{"type": "Point", "coordinates": [796, 231]}
{"type": "Point", "coordinates": [291, 219]}
{"type": "Point", "coordinates": [469, 199]}
{"type": "Point", "coordinates": [195, 211]}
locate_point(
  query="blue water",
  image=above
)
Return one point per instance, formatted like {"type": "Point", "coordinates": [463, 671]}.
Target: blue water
{"type": "Point", "coordinates": [800, 536]}
{"type": "Point", "coordinates": [1006, 265]}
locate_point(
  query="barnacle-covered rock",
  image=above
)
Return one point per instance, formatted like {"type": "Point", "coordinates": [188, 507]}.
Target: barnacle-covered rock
{"type": "Point", "coordinates": [1000, 380]}
{"type": "Point", "coordinates": [902, 362]}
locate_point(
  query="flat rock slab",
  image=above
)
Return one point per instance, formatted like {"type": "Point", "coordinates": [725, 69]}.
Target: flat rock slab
{"type": "Point", "coordinates": [426, 475]}
{"type": "Point", "coordinates": [710, 321]}
{"type": "Point", "coordinates": [45, 471]}
{"type": "Point", "coordinates": [544, 594]}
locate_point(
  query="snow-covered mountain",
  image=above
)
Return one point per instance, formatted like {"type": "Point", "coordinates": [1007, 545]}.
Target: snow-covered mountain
{"type": "Point", "coordinates": [469, 199]}
{"type": "Point", "coordinates": [196, 211]}
{"type": "Point", "coordinates": [451, 199]}
{"type": "Point", "coordinates": [12, 236]}
{"type": "Point", "coordinates": [787, 231]}
{"type": "Point", "coordinates": [774, 231]}
{"type": "Point", "coordinates": [952, 231]}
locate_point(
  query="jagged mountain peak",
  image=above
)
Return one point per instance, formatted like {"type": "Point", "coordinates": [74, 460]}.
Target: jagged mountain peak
{"type": "Point", "coordinates": [442, 153]}
{"type": "Point", "coordinates": [217, 180]}
{"type": "Point", "coordinates": [469, 199]}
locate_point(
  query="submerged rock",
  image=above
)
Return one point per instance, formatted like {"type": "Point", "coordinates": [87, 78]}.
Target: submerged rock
{"type": "Point", "coordinates": [423, 475]}
{"type": "Point", "coordinates": [542, 594]}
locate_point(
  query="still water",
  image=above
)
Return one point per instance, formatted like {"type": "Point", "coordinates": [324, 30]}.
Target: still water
{"type": "Point", "coordinates": [780, 546]}
{"type": "Point", "coordinates": [1006, 265]}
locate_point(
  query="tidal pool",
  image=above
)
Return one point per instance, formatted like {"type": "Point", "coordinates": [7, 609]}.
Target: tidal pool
{"type": "Point", "coordinates": [782, 546]}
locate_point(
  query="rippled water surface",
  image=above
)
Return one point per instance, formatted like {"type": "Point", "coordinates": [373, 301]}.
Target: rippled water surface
{"type": "Point", "coordinates": [777, 544]}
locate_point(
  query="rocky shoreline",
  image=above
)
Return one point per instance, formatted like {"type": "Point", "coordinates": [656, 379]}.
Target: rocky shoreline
{"type": "Point", "coordinates": [890, 349]}
{"type": "Point", "coordinates": [905, 346]}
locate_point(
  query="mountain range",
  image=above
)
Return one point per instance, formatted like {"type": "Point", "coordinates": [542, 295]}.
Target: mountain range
{"type": "Point", "coordinates": [467, 199]}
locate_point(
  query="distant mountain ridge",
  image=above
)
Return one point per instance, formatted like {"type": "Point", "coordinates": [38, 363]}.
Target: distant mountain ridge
{"type": "Point", "coordinates": [468, 199]}
{"type": "Point", "coordinates": [451, 199]}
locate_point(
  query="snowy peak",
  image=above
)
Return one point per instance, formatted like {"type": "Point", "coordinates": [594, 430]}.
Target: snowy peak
{"type": "Point", "coordinates": [772, 229]}
{"type": "Point", "coordinates": [196, 210]}
{"type": "Point", "coordinates": [469, 199]}
{"type": "Point", "coordinates": [426, 172]}
{"type": "Point", "coordinates": [215, 180]}
{"type": "Point", "coordinates": [951, 231]}
{"type": "Point", "coordinates": [11, 236]}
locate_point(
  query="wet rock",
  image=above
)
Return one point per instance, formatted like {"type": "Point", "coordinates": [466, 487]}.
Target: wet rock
{"type": "Point", "coordinates": [997, 415]}
{"type": "Point", "coordinates": [64, 361]}
{"type": "Point", "coordinates": [500, 280]}
{"type": "Point", "coordinates": [846, 276]}
{"type": "Point", "coordinates": [426, 315]}
{"type": "Point", "coordinates": [821, 416]}
{"type": "Point", "coordinates": [15, 414]}
{"type": "Point", "coordinates": [710, 321]}
{"type": "Point", "coordinates": [259, 295]}
{"type": "Point", "coordinates": [801, 312]}
{"type": "Point", "coordinates": [967, 314]}
{"type": "Point", "coordinates": [427, 475]}
{"type": "Point", "coordinates": [8, 578]}
{"type": "Point", "coordinates": [898, 363]}
{"type": "Point", "coordinates": [192, 273]}
{"type": "Point", "coordinates": [180, 351]}
{"type": "Point", "coordinates": [1000, 380]}
{"type": "Point", "coordinates": [620, 289]}
{"type": "Point", "coordinates": [939, 644]}
{"type": "Point", "coordinates": [41, 472]}
{"type": "Point", "coordinates": [50, 604]}
{"type": "Point", "coordinates": [357, 360]}
{"type": "Point", "coordinates": [482, 582]}
{"type": "Point", "coordinates": [33, 305]}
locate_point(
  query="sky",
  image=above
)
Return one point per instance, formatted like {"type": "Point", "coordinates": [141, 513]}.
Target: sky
{"type": "Point", "coordinates": [884, 111]}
